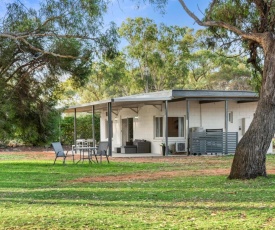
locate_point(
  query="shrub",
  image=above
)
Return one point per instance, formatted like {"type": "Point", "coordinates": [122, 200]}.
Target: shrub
{"type": "Point", "coordinates": [84, 128]}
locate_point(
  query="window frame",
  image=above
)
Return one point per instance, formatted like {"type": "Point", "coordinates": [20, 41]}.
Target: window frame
{"type": "Point", "coordinates": [158, 121]}
{"type": "Point", "coordinates": [160, 134]}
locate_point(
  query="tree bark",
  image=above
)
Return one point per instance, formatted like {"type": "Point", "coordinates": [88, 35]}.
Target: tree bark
{"type": "Point", "coordinates": [250, 156]}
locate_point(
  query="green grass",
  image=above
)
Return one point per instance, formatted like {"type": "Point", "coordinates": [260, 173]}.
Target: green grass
{"type": "Point", "coordinates": [34, 194]}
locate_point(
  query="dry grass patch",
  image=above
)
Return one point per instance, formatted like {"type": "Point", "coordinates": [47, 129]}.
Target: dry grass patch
{"type": "Point", "coordinates": [152, 176]}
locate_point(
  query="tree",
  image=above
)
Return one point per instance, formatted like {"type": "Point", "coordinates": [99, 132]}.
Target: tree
{"type": "Point", "coordinates": [157, 53]}
{"type": "Point", "coordinates": [218, 70]}
{"type": "Point", "coordinates": [233, 74]}
{"type": "Point", "coordinates": [251, 22]}
{"type": "Point", "coordinates": [109, 78]}
{"type": "Point", "coordinates": [165, 57]}
{"type": "Point", "coordinates": [39, 48]}
{"type": "Point", "coordinates": [210, 67]}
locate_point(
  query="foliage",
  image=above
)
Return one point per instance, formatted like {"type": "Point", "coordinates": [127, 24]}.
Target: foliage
{"type": "Point", "coordinates": [108, 79]}
{"type": "Point", "coordinates": [28, 116]}
{"type": "Point", "coordinates": [38, 195]}
{"type": "Point", "coordinates": [156, 53]}
{"type": "Point", "coordinates": [246, 16]}
{"type": "Point", "coordinates": [154, 59]}
{"type": "Point", "coordinates": [84, 128]}
{"type": "Point", "coordinates": [210, 67]}
{"type": "Point", "coordinates": [161, 57]}
{"type": "Point", "coordinates": [39, 48]}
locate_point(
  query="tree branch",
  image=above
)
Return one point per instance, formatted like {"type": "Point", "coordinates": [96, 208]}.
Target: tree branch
{"type": "Point", "coordinates": [50, 19]}
{"type": "Point", "coordinates": [33, 62]}
{"type": "Point", "coordinates": [46, 52]}
{"type": "Point", "coordinates": [23, 36]}
{"type": "Point", "coordinates": [250, 36]}
{"type": "Point", "coordinates": [35, 48]}
{"type": "Point", "coordinates": [4, 68]}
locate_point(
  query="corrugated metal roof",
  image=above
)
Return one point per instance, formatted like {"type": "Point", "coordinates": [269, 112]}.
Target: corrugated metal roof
{"type": "Point", "coordinates": [153, 96]}
{"type": "Point", "coordinates": [167, 95]}
{"type": "Point", "coordinates": [213, 94]}
{"type": "Point", "coordinates": [88, 106]}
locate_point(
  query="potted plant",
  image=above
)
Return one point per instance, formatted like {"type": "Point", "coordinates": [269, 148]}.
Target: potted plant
{"type": "Point", "coordinates": [163, 148]}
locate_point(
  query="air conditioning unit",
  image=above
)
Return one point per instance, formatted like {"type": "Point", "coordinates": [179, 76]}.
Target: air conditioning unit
{"type": "Point", "coordinates": [180, 147]}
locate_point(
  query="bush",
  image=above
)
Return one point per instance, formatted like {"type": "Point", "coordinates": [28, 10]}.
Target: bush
{"type": "Point", "coordinates": [84, 128]}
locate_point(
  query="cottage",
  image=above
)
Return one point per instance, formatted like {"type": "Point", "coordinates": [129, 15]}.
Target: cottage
{"type": "Point", "coordinates": [192, 121]}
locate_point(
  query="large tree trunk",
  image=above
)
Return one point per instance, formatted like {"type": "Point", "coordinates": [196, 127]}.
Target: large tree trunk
{"type": "Point", "coordinates": [250, 156]}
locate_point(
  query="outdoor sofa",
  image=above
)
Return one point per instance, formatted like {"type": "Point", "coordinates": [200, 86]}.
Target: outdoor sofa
{"type": "Point", "coordinates": [137, 146]}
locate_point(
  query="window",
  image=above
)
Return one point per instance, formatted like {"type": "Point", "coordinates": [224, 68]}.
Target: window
{"type": "Point", "coordinates": [159, 127]}
{"type": "Point", "coordinates": [175, 127]}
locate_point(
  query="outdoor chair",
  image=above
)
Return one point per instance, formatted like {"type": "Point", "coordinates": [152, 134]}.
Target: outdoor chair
{"type": "Point", "coordinates": [79, 143]}
{"type": "Point", "coordinates": [90, 142]}
{"type": "Point", "coordinates": [59, 152]}
{"type": "Point", "coordinates": [101, 151]}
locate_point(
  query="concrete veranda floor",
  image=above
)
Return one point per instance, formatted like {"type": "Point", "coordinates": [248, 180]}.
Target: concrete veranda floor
{"type": "Point", "coordinates": [136, 154]}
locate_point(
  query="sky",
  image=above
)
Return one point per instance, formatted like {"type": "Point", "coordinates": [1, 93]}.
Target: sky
{"type": "Point", "coordinates": [174, 13]}
{"type": "Point", "coordinates": [120, 10]}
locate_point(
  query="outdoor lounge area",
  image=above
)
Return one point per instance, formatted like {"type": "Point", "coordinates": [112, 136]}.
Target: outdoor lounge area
{"type": "Point", "coordinates": [137, 146]}
{"type": "Point", "coordinates": [84, 148]}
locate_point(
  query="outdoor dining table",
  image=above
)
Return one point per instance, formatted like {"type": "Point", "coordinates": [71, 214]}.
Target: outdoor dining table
{"type": "Point", "coordinates": [83, 156]}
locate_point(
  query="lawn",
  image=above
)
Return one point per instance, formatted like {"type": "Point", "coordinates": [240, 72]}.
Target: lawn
{"type": "Point", "coordinates": [179, 193]}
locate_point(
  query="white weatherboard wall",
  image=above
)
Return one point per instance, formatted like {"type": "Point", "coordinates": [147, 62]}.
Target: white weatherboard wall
{"type": "Point", "coordinates": [241, 112]}
{"type": "Point", "coordinates": [194, 114]}
{"type": "Point", "coordinates": [213, 115]}
{"type": "Point", "coordinates": [208, 116]}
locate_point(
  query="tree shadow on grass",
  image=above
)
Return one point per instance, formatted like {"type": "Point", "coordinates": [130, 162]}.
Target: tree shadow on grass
{"type": "Point", "coordinates": [212, 189]}
{"type": "Point", "coordinates": [43, 183]}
